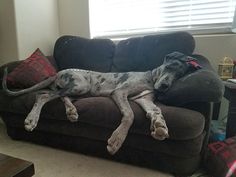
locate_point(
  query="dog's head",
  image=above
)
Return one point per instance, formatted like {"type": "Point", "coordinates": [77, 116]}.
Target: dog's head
{"type": "Point", "coordinates": [175, 65]}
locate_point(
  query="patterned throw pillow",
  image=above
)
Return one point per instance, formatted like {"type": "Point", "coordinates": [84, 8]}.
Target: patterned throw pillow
{"type": "Point", "coordinates": [221, 158]}
{"type": "Point", "coordinates": [31, 71]}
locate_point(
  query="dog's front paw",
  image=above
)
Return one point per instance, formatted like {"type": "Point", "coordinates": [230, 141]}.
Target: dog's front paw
{"type": "Point", "coordinates": [71, 113]}
{"type": "Point", "coordinates": [115, 141]}
{"type": "Point", "coordinates": [158, 127]}
{"type": "Point", "coordinates": [31, 122]}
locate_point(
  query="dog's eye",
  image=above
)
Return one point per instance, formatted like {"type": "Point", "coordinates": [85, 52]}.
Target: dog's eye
{"type": "Point", "coordinates": [172, 65]}
{"type": "Point", "coordinates": [58, 87]}
{"type": "Point", "coordinates": [167, 58]}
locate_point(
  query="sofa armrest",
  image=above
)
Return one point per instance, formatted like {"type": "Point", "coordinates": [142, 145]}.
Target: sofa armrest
{"type": "Point", "coordinates": [205, 108]}
{"type": "Point", "coordinates": [10, 66]}
{"type": "Point", "coordinates": [203, 85]}
{"type": "Point", "coordinates": [14, 64]}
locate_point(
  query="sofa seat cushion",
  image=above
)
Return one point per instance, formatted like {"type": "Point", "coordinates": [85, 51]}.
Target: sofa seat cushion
{"type": "Point", "coordinates": [177, 148]}
{"type": "Point", "coordinates": [183, 123]}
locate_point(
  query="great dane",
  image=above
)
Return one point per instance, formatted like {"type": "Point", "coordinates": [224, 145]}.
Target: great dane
{"type": "Point", "coordinates": [121, 87]}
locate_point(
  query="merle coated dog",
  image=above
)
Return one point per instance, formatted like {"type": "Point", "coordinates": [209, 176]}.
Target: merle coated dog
{"type": "Point", "coordinates": [121, 87]}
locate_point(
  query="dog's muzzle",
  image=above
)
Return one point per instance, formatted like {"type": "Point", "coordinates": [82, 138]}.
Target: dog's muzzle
{"type": "Point", "coordinates": [163, 87]}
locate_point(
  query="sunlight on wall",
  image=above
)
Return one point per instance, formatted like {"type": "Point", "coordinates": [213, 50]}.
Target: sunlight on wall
{"type": "Point", "coordinates": [36, 26]}
{"type": "Point", "coordinates": [74, 18]}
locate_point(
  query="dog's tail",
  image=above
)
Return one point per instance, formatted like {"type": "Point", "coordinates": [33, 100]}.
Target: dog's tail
{"type": "Point", "coordinates": [35, 87]}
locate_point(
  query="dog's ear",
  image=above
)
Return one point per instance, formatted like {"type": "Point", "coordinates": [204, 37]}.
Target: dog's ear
{"type": "Point", "coordinates": [155, 74]}
{"type": "Point", "coordinates": [191, 62]}
{"type": "Point", "coordinates": [173, 56]}
{"type": "Point", "coordinates": [154, 71]}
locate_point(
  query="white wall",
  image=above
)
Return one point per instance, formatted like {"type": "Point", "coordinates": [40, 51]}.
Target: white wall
{"type": "Point", "coordinates": [26, 25]}
{"type": "Point", "coordinates": [36, 26]}
{"type": "Point", "coordinates": [215, 47]}
{"type": "Point", "coordinates": [8, 39]}
{"type": "Point", "coordinates": [74, 17]}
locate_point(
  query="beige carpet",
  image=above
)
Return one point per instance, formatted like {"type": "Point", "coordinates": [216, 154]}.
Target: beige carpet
{"type": "Point", "coordinates": [51, 162]}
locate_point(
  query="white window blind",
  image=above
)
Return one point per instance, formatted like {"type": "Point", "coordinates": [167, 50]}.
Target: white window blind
{"type": "Point", "coordinates": [120, 18]}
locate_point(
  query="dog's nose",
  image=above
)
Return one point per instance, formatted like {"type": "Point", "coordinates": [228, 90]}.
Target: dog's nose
{"type": "Point", "coordinates": [163, 87]}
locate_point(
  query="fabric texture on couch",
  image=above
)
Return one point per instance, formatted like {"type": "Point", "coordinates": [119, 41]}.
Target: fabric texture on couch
{"type": "Point", "coordinates": [148, 52]}
{"type": "Point", "coordinates": [93, 54]}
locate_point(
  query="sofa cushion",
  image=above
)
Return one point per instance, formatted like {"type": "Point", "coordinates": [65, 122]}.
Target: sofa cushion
{"type": "Point", "coordinates": [99, 110]}
{"type": "Point", "coordinates": [99, 116]}
{"type": "Point", "coordinates": [82, 53]}
{"type": "Point", "coordinates": [183, 123]}
{"type": "Point", "coordinates": [31, 71]}
{"type": "Point", "coordinates": [60, 128]}
{"type": "Point", "coordinates": [148, 52]}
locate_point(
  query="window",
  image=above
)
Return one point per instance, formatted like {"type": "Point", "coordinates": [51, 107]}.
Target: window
{"type": "Point", "coordinates": [121, 18]}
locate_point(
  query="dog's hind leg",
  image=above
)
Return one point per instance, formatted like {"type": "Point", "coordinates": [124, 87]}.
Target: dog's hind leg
{"type": "Point", "coordinates": [118, 136]}
{"type": "Point", "coordinates": [71, 111]}
{"type": "Point", "coordinates": [31, 120]}
{"type": "Point", "coordinates": [158, 126]}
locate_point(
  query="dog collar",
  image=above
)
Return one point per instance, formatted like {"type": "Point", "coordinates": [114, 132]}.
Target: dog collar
{"type": "Point", "coordinates": [193, 63]}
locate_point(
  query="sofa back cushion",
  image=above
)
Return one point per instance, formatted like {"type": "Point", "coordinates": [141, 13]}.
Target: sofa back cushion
{"type": "Point", "coordinates": [82, 53]}
{"type": "Point", "coordinates": [133, 54]}
{"type": "Point", "coordinates": [146, 53]}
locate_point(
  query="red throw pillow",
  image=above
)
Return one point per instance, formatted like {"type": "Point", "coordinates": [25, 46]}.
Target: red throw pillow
{"type": "Point", "coordinates": [31, 71]}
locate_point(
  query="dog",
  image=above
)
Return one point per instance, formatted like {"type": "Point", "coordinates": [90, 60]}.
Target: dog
{"type": "Point", "coordinates": [121, 87]}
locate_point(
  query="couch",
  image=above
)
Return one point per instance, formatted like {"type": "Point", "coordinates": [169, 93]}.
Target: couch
{"type": "Point", "coordinates": [186, 106]}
